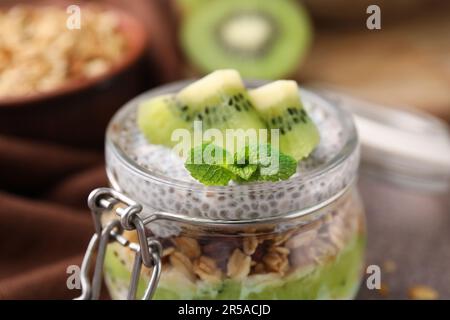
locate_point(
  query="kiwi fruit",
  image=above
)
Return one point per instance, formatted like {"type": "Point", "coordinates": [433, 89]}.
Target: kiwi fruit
{"type": "Point", "coordinates": [220, 100]}
{"type": "Point", "coordinates": [279, 104]}
{"type": "Point", "coordinates": [158, 117]}
{"type": "Point", "coordinates": [186, 7]}
{"type": "Point", "coordinates": [259, 38]}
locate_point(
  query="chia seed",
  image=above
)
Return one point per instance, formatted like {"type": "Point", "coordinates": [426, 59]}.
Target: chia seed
{"type": "Point", "coordinates": [253, 201]}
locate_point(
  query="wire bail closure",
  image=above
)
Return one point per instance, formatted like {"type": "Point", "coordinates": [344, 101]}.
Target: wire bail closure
{"type": "Point", "coordinates": [147, 252]}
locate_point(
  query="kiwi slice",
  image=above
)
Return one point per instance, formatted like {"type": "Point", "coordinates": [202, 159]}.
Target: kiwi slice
{"type": "Point", "coordinates": [219, 100]}
{"type": "Point", "coordinates": [157, 119]}
{"type": "Point", "coordinates": [259, 38]}
{"type": "Point", "coordinates": [278, 103]}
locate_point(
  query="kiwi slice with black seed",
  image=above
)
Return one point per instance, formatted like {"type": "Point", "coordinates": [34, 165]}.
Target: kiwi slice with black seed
{"type": "Point", "coordinates": [279, 104]}
{"type": "Point", "coordinates": [219, 101]}
{"type": "Point", "coordinates": [259, 38]}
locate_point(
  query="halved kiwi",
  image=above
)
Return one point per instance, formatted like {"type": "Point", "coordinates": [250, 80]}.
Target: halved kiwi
{"type": "Point", "coordinates": [259, 38]}
{"type": "Point", "coordinates": [279, 104]}
{"type": "Point", "coordinates": [219, 101]}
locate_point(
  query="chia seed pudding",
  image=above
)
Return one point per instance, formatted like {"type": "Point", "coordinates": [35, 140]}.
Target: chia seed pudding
{"type": "Point", "coordinates": [301, 238]}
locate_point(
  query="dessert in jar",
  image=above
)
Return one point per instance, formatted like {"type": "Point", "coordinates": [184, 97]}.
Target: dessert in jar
{"type": "Point", "coordinates": [235, 231]}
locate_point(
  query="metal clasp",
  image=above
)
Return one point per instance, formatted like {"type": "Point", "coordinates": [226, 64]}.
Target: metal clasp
{"type": "Point", "coordinates": [147, 252]}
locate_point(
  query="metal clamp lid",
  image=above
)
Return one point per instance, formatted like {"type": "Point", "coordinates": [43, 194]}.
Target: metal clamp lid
{"type": "Point", "coordinates": [147, 252]}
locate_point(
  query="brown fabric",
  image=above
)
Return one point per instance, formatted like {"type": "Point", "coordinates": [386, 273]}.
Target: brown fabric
{"type": "Point", "coordinates": [42, 234]}
{"type": "Point", "coordinates": [45, 224]}
{"type": "Point", "coordinates": [35, 166]}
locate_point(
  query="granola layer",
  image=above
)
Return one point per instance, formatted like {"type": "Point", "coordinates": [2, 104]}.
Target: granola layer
{"type": "Point", "coordinates": [336, 279]}
{"type": "Point", "coordinates": [320, 259]}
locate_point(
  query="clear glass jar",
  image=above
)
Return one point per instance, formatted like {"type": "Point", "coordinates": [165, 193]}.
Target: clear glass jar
{"type": "Point", "coordinates": [303, 238]}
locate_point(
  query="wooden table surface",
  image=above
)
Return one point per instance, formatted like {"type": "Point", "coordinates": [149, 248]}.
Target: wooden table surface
{"type": "Point", "coordinates": [408, 237]}
{"type": "Point", "coordinates": [406, 63]}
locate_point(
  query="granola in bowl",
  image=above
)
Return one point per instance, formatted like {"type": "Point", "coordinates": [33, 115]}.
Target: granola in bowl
{"type": "Point", "coordinates": [40, 53]}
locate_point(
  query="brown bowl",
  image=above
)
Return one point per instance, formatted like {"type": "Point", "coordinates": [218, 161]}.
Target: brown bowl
{"type": "Point", "coordinates": [77, 112]}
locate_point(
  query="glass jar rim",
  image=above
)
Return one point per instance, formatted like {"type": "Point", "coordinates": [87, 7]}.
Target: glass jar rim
{"type": "Point", "coordinates": [344, 117]}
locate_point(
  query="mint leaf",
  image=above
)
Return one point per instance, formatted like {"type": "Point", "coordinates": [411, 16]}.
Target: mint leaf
{"type": "Point", "coordinates": [210, 175]}
{"type": "Point", "coordinates": [243, 172]}
{"type": "Point", "coordinates": [212, 165]}
{"type": "Point", "coordinates": [242, 166]}
{"type": "Point", "coordinates": [273, 165]}
{"type": "Point", "coordinates": [207, 164]}
{"type": "Point", "coordinates": [287, 166]}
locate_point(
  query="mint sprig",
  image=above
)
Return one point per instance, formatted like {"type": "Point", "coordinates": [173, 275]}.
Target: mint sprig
{"type": "Point", "coordinates": [214, 166]}
{"type": "Point", "coordinates": [265, 155]}
{"type": "Point", "coordinates": [207, 164]}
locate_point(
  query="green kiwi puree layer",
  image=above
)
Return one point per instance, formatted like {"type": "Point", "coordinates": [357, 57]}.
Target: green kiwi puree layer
{"type": "Point", "coordinates": [338, 278]}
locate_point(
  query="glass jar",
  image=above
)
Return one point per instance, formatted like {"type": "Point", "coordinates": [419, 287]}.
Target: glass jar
{"type": "Point", "coordinates": [303, 238]}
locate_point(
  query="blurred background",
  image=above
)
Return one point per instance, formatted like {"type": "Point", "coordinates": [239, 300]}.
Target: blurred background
{"type": "Point", "coordinates": [60, 86]}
